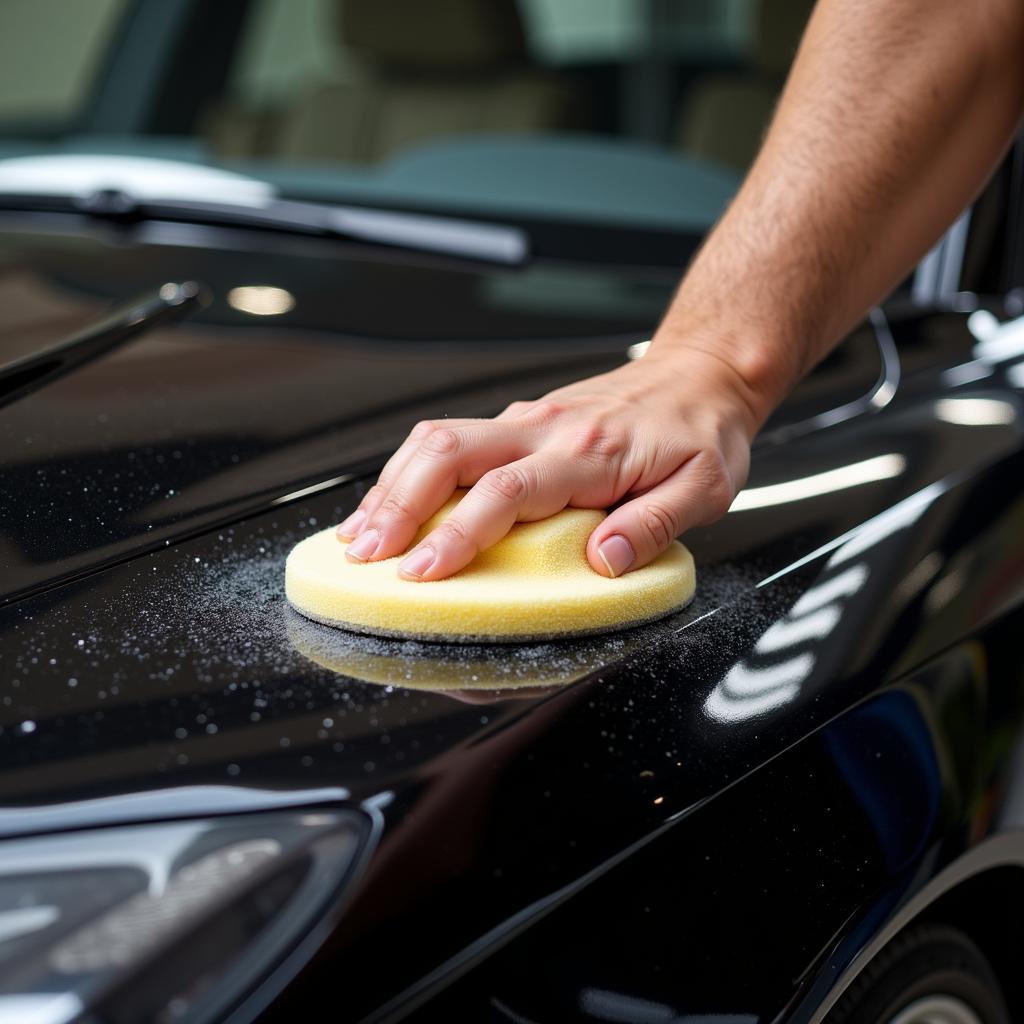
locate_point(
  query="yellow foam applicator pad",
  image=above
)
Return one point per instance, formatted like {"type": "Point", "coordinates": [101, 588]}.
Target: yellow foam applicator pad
{"type": "Point", "coordinates": [534, 584]}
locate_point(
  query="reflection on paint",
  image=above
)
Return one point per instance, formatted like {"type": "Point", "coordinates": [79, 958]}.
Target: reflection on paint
{"type": "Point", "coordinates": [944, 591]}
{"type": "Point", "coordinates": [919, 577]}
{"type": "Point", "coordinates": [751, 688]}
{"type": "Point", "coordinates": [975, 412]}
{"type": "Point", "coordinates": [488, 671]}
{"type": "Point", "coordinates": [789, 632]}
{"type": "Point", "coordinates": [885, 524]}
{"type": "Point", "coordinates": [261, 300]}
{"type": "Point", "coordinates": [747, 691]}
{"type": "Point", "coordinates": [172, 802]}
{"type": "Point", "coordinates": [1015, 375]}
{"type": "Point", "coordinates": [983, 325]}
{"type": "Point", "coordinates": [996, 341]}
{"type": "Point", "coordinates": [881, 467]}
{"type": "Point", "coordinates": [846, 584]}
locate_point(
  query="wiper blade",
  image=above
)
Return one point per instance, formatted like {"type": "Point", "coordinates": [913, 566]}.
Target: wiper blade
{"type": "Point", "coordinates": [453, 236]}
{"type": "Point", "coordinates": [28, 374]}
{"type": "Point", "coordinates": [448, 236]}
{"type": "Point", "coordinates": [419, 232]}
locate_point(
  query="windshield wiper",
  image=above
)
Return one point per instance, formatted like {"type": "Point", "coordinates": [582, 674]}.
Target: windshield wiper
{"type": "Point", "coordinates": [22, 376]}
{"type": "Point", "coordinates": [419, 232]}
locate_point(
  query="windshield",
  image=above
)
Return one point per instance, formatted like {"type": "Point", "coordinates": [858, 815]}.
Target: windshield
{"type": "Point", "coordinates": [604, 111]}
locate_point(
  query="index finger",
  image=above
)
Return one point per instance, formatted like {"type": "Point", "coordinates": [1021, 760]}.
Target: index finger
{"type": "Point", "coordinates": [534, 487]}
{"type": "Point", "coordinates": [374, 497]}
{"type": "Point", "coordinates": [445, 460]}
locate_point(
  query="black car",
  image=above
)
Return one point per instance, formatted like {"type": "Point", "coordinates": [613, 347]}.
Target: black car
{"type": "Point", "coordinates": [243, 247]}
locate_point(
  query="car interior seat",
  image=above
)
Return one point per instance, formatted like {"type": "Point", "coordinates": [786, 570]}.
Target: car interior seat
{"type": "Point", "coordinates": [419, 71]}
{"type": "Point", "coordinates": [723, 117]}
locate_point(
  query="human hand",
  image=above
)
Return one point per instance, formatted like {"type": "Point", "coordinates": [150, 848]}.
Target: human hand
{"type": "Point", "coordinates": [670, 435]}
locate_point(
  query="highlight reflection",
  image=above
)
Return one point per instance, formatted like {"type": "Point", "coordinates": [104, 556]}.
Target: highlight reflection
{"type": "Point", "coordinates": [881, 467]}
{"type": "Point", "coordinates": [975, 412]}
{"type": "Point", "coordinates": [996, 341]}
{"type": "Point", "coordinates": [759, 684]}
{"type": "Point", "coordinates": [261, 300]}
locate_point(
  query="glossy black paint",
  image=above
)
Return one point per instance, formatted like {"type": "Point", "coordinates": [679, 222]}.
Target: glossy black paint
{"type": "Point", "coordinates": [711, 815]}
{"type": "Point", "coordinates": [191, 426]}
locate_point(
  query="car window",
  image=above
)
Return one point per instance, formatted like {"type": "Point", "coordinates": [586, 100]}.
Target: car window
{"type": "Point", "coordinates": [50, 52]}
{"type": "Point", "coordinates": [586, 109]}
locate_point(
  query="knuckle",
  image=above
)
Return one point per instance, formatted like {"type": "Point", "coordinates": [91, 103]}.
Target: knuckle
{"type": "Point", "coordinates": [453, 531]}
{"type": "Point", "coordinates": [507, 483]}
{"type": "Point", "coordinates": [719, 497]}
{"type": "Point", "coordinates": [717, 488]}
{"type": "Point", "coordinates": [545, 410]}
{"type": "Point", "coordinates": [394, 506]}
{"type": "Point", "coordinates": [422, 430]}
{"type": "Point", "coordinates": [441, 443]}
{"type": "Point", "coordinates": [660, 523]}
{"type": "Point", "coordinates": [376, 493]}
{"type": "Point", "coordinates": [595, 440]}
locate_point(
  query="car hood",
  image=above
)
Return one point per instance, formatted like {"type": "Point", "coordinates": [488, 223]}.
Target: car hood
{"type": "Point", "coordinates": [155, 671]}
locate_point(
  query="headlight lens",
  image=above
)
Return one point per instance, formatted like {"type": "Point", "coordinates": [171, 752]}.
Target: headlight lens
{"type": "Point", "coordinates": [168, 921]}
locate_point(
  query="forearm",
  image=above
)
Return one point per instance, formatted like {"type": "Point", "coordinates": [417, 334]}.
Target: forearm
{"type": "Point", "coordinates": [895, 113]}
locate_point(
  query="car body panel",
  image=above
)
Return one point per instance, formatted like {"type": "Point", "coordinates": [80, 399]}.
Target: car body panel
{"type": "Point", "coordinates": [153, 671]}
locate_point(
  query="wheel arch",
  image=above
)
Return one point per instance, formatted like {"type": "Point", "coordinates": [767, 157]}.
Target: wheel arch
{"type": "Point", "coordinates": [966, 894]}
{"type": "Point", "coordinates": [982, 906]}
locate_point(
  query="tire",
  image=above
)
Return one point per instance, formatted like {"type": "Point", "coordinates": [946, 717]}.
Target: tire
{"type": "Point", "coordinates": [927, 973]}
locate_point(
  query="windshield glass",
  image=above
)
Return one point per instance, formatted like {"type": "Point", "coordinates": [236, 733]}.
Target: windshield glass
{"type": "Point", "coordinates": [642, 112]}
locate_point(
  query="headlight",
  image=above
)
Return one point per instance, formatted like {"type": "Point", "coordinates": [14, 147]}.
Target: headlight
{"type": "Point", "coordinates": [169, 921]}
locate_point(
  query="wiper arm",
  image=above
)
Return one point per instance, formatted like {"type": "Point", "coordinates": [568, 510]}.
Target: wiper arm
{"type": "Point", "coordinates": [419, 232]}
{"type": "Point", "coordinates": [448, 236]}
{"type": "Point", "coordinates": [455, 237]}
{"type": "Point", "coordinates": [34, 371]}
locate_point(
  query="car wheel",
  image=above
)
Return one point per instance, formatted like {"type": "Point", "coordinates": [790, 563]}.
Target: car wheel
{"type": "Point", "coordinates": [930, 974]}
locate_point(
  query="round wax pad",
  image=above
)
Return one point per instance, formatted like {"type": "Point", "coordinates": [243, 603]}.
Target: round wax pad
{"type": "Point", "coordinates": [534, 584]}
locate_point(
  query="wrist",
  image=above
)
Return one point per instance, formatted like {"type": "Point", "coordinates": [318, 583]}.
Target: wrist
{"type": "Point", "coordinates": [751, 372]}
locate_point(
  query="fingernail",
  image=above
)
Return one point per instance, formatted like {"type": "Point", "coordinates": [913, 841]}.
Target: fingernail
{"type": "Point", "coordinates": [353, 524]}
{"type": "Point", "coordinates": [363, 546]}
{"type": "Point", "coordinates": [617, 554]}
{"type": "Point", "coordinates": [418, 562]}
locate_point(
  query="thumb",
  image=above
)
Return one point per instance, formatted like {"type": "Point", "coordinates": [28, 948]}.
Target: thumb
{"type": "Point", "coordinates": [641, 529]}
